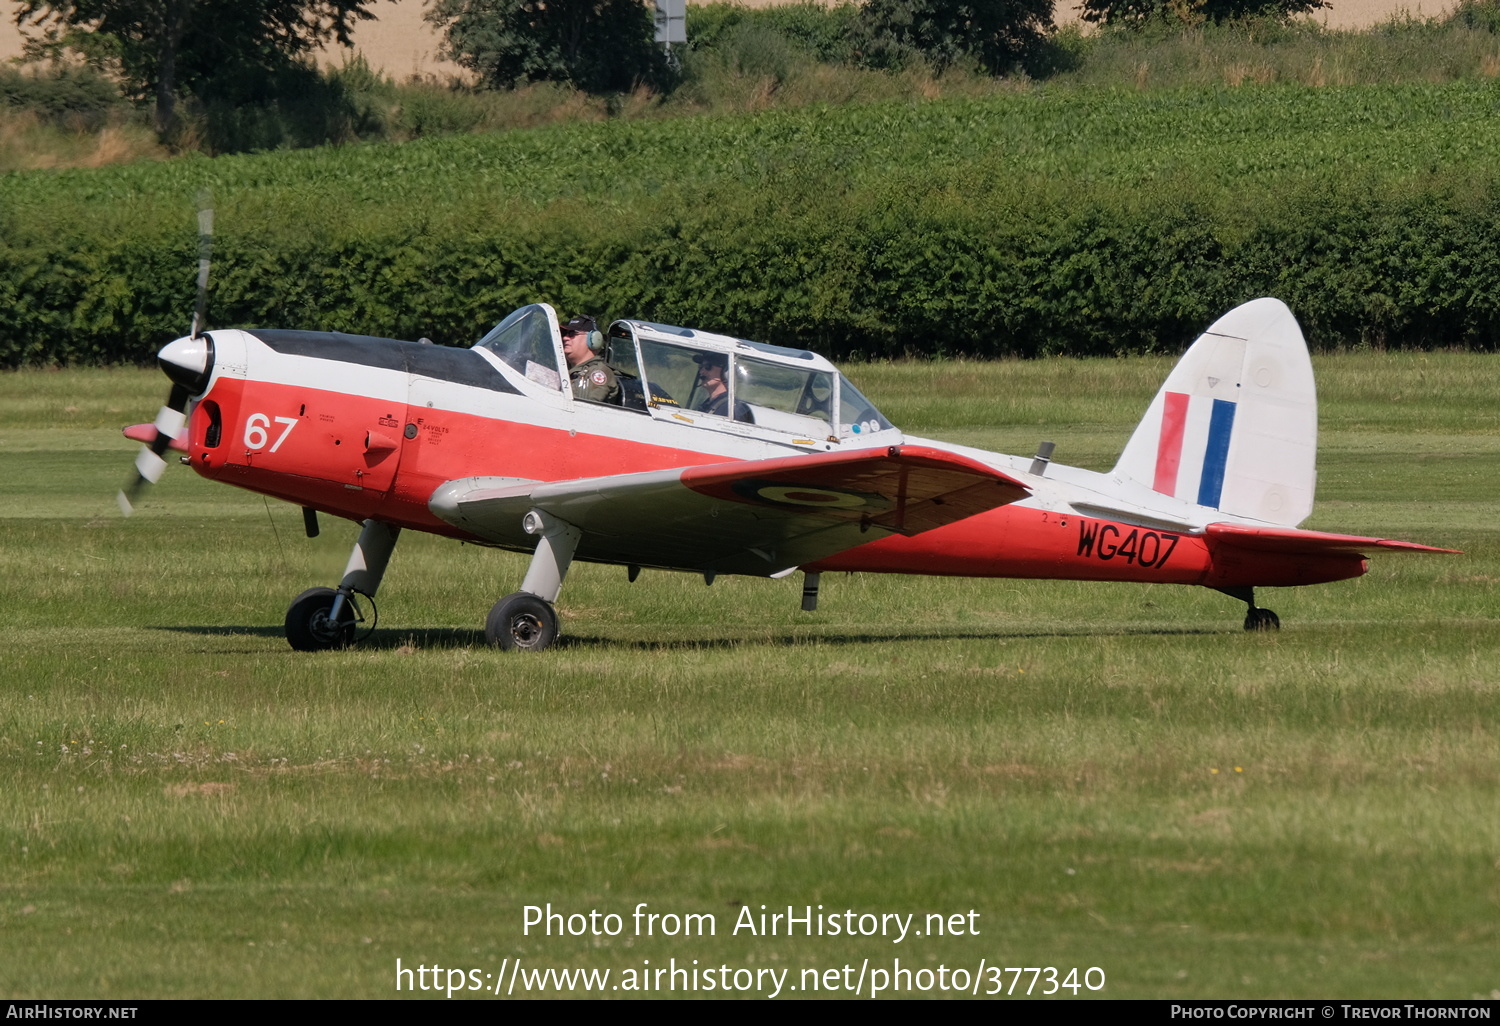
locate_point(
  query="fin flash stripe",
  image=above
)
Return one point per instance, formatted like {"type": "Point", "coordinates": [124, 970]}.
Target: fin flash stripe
{"type": "Point", "coordinates": [1193, 444]}
{"type": "Point", "coordinates": [1216, 456]}
{"type": "Point", "coordinates": [1169, 449]}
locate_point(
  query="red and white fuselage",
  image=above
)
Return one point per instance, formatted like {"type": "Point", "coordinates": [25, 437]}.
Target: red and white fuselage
{"type": "Point", "coordinates": [465, 442]}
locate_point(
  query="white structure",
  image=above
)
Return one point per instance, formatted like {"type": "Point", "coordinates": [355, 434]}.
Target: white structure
{"type": "Point", "coordinates": [671, 22]}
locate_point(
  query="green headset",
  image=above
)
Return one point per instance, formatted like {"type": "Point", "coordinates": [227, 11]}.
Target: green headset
{"type": "Point", "coordinates": [594, 338]}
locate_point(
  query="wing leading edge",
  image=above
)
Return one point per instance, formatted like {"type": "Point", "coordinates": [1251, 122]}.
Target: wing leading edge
{"type": "Point", "coordinates": [757, 517]}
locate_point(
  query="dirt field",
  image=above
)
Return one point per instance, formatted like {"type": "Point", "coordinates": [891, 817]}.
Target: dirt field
{"type": "Point", "coordinates": [401, 44]}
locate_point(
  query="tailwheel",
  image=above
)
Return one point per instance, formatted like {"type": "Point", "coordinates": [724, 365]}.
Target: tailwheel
{"type": "Point", "coordinates": [1258, 619]}
{"type": "Point", "coordinates": [521, 621]}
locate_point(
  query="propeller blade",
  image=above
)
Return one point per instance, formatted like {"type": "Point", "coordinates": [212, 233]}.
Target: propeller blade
{"type": "Point", "coordinates": [205, 252]}
{"type": "Point", "coordinates": [189, 363]}
{"type": "Point", "coordinates": [149, 465]}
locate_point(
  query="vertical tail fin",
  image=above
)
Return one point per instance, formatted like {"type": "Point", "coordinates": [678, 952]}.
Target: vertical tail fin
{"type": "Point", "coordinates": [1235, 427]}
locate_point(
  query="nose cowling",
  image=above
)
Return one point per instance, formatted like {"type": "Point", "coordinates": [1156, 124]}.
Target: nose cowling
{"type": "Point", "coordinates": [189, 362]}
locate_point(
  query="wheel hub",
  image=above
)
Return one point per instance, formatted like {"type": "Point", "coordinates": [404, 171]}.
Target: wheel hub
{"type": "Point", "coordinates": [326, 630]}
{"type": "Point", "coordinates": [526, 629]}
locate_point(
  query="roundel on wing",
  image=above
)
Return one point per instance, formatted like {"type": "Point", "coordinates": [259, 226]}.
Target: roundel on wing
{"type": "Point", "coordinates": [801, 495]}
{"type": "Point", "coordinates": [780, 493]}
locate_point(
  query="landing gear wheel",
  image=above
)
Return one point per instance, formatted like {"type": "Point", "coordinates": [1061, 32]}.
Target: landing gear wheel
{"type": "Point", "coordinates": [308, 628]}
{"type": "Point", "coordinates": [1262, 620]}
{"type": "Point", "coordinates": [521, 621]}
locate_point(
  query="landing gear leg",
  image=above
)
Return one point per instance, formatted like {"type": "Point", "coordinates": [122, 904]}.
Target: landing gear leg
{"type": "Point", "coordinates": [324, 618]}
{"type": "Point", "coordinates": [526, 620]}
{"type": "Point", "coordinates": [810, 583]}
{"type": "Point", "coordinates": [1256, 618]}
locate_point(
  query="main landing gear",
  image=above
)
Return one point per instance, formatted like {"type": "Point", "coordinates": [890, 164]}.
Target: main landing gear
{"type": "Point", "coordinates": [526, 620]}
{"type": "Point", "coordinates": [310, 628]}
{"type": "Point", "coordinates": [328, 618]}
{"type": "Point", "coordinates": [1256, 618]}
{"type": "Point", "coordinates": [521, 621]}
{"type": "Point", "coordinates": [324, 618]}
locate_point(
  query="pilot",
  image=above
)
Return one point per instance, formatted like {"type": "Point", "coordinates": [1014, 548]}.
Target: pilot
{"type": "Point", "coordinates": [713, 376]}
{"type": "Point", "coordinates": [592, 378]}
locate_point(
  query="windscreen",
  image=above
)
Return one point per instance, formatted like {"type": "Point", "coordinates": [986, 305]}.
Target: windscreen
{"type": "Point", "coordinates": [857, 415]}
{"type": "Point", "coordinates": [527, 341]}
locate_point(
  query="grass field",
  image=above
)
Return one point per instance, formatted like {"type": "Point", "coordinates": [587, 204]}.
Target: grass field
{"type": "Point", "coordinates": [1035, 145]}
{"type": "Point", "coordinates": [1108, 776]}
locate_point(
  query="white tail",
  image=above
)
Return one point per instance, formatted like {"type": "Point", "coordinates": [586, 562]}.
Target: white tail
{"type": "Point", "coordinates": [1235, 427]}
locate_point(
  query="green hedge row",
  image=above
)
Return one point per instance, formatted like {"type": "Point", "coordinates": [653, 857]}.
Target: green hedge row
{"type": "Point", "coordinates": [1077, 222]}
{"type": "Point", "coordinates": [849, 277]}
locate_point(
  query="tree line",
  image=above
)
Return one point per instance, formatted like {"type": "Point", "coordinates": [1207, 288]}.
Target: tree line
{"type": "Point", "coordinates": [253, 51]}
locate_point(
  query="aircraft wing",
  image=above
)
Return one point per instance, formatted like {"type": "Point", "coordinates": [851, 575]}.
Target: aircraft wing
{"type": "Point", "coordinates": [759, 517]}
{"type": "Point", "coordinates": [1291, 540]}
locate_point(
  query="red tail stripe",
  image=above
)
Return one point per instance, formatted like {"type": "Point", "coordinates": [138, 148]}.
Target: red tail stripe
{"type": "Point", "coordinates": [1169, 449]}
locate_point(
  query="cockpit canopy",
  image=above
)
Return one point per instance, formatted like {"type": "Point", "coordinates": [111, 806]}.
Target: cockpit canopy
{"type": "Point", "coordinates": [790, 390]}
{"type": "Point", "coordinates": [699, 377]}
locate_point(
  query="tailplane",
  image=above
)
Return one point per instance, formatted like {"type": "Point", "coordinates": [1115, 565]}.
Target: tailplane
{"type": "Point", "coordinates": [1235, 427]}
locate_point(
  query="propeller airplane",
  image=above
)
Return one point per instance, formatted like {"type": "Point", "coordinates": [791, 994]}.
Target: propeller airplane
{"type": "Point", "coordinates": [794, 469]}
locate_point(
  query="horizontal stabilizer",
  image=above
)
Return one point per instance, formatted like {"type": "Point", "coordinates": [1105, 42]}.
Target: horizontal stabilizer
{"type": "Point", "coordinates": [1293, 541]}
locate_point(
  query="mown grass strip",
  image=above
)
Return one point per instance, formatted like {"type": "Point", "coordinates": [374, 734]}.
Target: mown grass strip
{"type": "Point", "coordinates": [1110, 775]}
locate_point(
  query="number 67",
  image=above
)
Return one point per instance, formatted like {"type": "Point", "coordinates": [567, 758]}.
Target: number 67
{"type": "Point", "coordinates": [256, 433]}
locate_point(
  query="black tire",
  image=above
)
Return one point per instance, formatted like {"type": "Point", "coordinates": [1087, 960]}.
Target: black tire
{"type": "Point", "coordinates": [308, 628]}
{"type": "Point", "coordinates": [521, 622]}
{"type": "Point", "coordinates": [1262, 620]}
